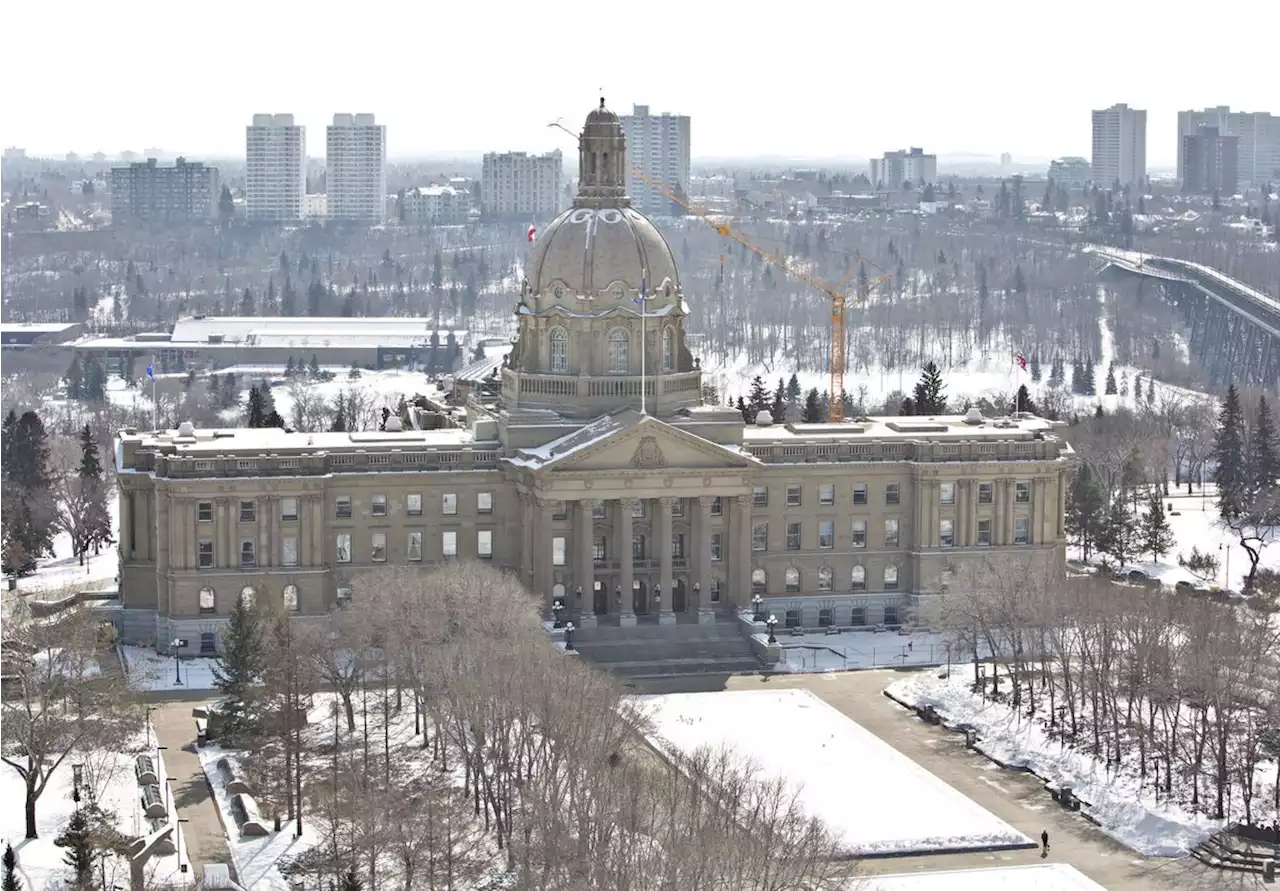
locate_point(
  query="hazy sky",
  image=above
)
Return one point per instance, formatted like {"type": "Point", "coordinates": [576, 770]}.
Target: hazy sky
{"type": "Point", "coordinates": [800, 79]}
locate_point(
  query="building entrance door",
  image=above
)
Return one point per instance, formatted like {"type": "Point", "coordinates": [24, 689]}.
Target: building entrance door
{"type": "Point", "coordinates": [601, 600]}
{"type": "Point", "coordinates": [678, 601]}
{"type": "Point", "coordinates": [640, 598]}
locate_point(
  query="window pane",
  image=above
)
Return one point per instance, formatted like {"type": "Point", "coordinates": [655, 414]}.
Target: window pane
{"type": "Point", "coordinates": [860, 493]}
{"type": "Point", "coordinates": [859, 533]}
{"type": "Point", "coordinates": [717, 506]}
{"type": "Point", "coordinates": [947, 493]}
{"type": "Point", "coordinates": [793, 536]}
{"type": "Point", "coordinates": [890, 533]}
{"type": "Point", "coordinates": [288, 508]}
{"type": "Point", "coordinates": [248, 595]}
{"type": "Point", "coordinates": [1021, 531]}
{"type": "Point", "coordinates": [984, 493]}
{"type": "Point", "coordinates": [617, 353]}
{"type": "Point", "coordinates": [1022, 493]}
{"type": "Point", "coordinates": [343, 547]}
{"type": "Point", "coordinates": [204, 511]}
{"type": "Point", "coordinates": [892, 493]}
{"type": "Point", "coordinates": [827, 494]}
{"type": "Point", "coordinates": [289, 550]}
{"type": "Point", "coordinates": [449, 504]}
{"type": "Point", "coordinates": [792, 576]}
{"type": "Point", "coordinates": [415, 546]}
{"type": "Point", "coordinates": [247, 511]}
{"type": "Point", "coordinates": [379, 505]}
{"type": "Point", "coordinates": [759, 536]}
{"type": "Point", "coordinates": [206, 555]}
{"type": "Point", "coordinates": [449, 544]}
{"type": "Point", "coordinates": [946, 534]}
{"type": "Point", "coordinates": [984, 533]}
{"type": "Point", "coordinates": [290, 597]}
{"type": "Point", "coordinates": [342, 507]}
{"type": "Point", "coordinates": [557, 551]}
{"type": "Point", "coordinates": [484, 543]}
{"type": "Point", "coordinates": [890, 577]}
{"type": "Point", "coordinates": [716, 552]}
{"type": "Point", "coordinates": [826, 534]}
{"type": "Point", "coordinates": [824, 580]}
{"type": "Point", "coordinates": [637, 508]}
{"type": "Point", "coordinates": [559, 350]}
{"type": "Point", "coordinates": [793, 496]}
{"type": "Point", "coordinates": [248, 556]}
{"type": "Point", "coordinates": [484, 502]}
{"type": "Point", "coordinates": [206, 600]}
{"type": "Point", "coordinates": [413, 504]}
{"type": "Point", "coordinates": [760, 496]}
{"type": "Point", "coordinates": [859, 580]}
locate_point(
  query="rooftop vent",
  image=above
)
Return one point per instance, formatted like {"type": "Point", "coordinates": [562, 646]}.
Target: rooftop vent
{"type": "Point", "coordinates": [393, 424]}
{"type": "Point", "coordinates": [973, 416]}
{"type": "Point", "coordinates": [186, 428]}
{"type": "Point", "coordinates": [764, 418]}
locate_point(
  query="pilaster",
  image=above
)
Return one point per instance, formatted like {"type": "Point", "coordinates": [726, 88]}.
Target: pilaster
{"type": "Point", "coordinates": [665, 614]}
{"type": "Point", "coordinates": [624, 593]}
{"type": "Point", "coordinates": [702, 559]}
{"type": "Point", "coordinates": [585, 576]}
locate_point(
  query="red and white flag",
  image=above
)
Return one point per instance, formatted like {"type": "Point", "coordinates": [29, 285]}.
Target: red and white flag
{"type": "Point", "coordinates": [533, 231]}
{"type": "Point", "coordinates": [1021, 360]}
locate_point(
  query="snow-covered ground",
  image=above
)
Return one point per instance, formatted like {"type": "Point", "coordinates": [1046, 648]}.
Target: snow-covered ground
{"type": "Point", "coordinates": [111, 779]}
{"type": "Point", "coordinates": [863, 649]}
{"type": "Point", "coordinates": [63, 573]}
{"type": "Point", "coordinates": [149, 670]}
{"type": "Point", "coordinates": [877, 800]}
{"type": "Point", "coordinates": [1033, 877]}
{"type": "Point", "coordinates": [1116, 799]}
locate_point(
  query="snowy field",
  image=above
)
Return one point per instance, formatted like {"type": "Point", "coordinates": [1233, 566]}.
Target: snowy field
{"type": "Point", "coordinates": [878, 801]}
{"type": "Point", "coordinates": [863, 649]}
{"type": "Point", "coordinates": [152, 671]}
{"type": "Point", "coordinates": [63, 573]}
{"type": "Point", "coordinates": [111, 780]}
{"type": "Point", "coordinates": [1035, 877]}
{"type": "Point", "coordinates": [1123, 809]}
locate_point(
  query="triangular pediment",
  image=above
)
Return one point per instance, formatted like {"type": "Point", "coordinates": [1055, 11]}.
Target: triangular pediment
{"type": "Point", "coordinates": [645, 443]}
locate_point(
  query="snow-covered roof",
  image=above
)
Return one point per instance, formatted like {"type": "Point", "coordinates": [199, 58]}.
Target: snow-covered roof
{"type": "Point", "coordinates": [941, 427]}
{"type": "Point", "coordinates": [302, 330]}
{"type": "Point", "coordinates": [273, 439]}
{"type": "Point", "coordinates": [36, 327]}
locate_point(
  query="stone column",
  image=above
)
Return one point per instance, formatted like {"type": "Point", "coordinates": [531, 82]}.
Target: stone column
{"type": "Point", "coordinates": [526, 538]}
{"type": "Point", "coordinates": [627, 608]}
{"type": "Point", "coordinates": [1008, 511]}
{"type": "Point", "coordinates": [740, 553]}
{"type": "Point", "coordinates": [702, 559]}
{"type": "Point", "coordinates": [542, 568]}
{"type": "Point", "coordinates": [225, 521]}
{"type": "Point", "coordinates": [266, 507]}
{"type": "Point", "coordinates": [163, 533]}
{"type": "Point", "coordinates": [1038, 533]}
{"type": "Point", "coordinates": [126, 524]}
{"type": "Point", "coordinates": [315, 517]}
{"type": "Point", "coordinates": [997, 531]}
{"type": "Point", "coordinates": [191, 522]}
{"type": "Point", "coordinates": [665, 614]}
{"type": "Point", "coordinates": [585, 576]}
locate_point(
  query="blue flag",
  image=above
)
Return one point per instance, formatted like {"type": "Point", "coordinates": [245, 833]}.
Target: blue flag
{"type": "Point", "coordinates": [644, 292]}
{"type": "Point", "coordinates": [151, 370]}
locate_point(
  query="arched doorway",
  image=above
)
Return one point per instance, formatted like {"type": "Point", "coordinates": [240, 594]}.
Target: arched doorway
{"type": "Point", "coordinates": [640, 598]}
{"type": "Point", "coordinates": [601, 599]}
{"type": "Point", "coordinates": [679, 602]}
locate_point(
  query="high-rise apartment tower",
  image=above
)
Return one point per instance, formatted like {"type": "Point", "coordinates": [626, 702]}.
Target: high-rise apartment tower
{"type": "Point", "coordinates": [275, 168]}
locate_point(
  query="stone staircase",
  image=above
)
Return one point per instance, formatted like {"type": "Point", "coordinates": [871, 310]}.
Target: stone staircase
{"type": "Point", "coordinates": [652, 650]}
{"type": "Point", "coordinates": [1225, 850]}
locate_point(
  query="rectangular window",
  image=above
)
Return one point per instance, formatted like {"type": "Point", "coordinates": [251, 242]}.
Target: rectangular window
{"type": "Point", "coordinates": [946, 533]}
{"type": "Point", "coordinates": [557, 551]}
{"type": "Point", "coordinates": [484, 544]}
{"type": "Point", "coordinates": [248, 555]}
{"type": "Point", "coordinates": [859, 493]}
{"type": "Point", "coordinates": [378, 547]}
{"type": "Point", "coordinates": [484, 502]}
{"type": "Point", "coordinates": [637, 509]}
{"type": "Point", "coordinates": [717, 549]}
{"type": "Point", "coordinates": [827, 494]}
{"type": "Point", "coordinates": [449, 544]}
{"type": "Point", "coordinates": [206, 554]}
{"type": "Point", "coordinates": [288, 509]}
{"type": "Point", "coordinates": [248, 511]}
{"type": "Point", "coordinates": [715, 590]}
{"type": "Point", "coordinates": [413, 504]}
{"type": "Point", "coordinates": [717, 506]}
{"type": "Point", "coordinates": [826, 615]}
{"type": "Point", "coordinates": [637, 546]}
{"type": "Point", "coordinates": [342, 547]}
{"type": "Point", "coordinates": [793, 536]}
{"type": "Point", "coordinates": [859, 616]}
{"type": "Point", "coordinates": [793, 496]}
{"type": "Point", "coordinates": [379, 506]}
{"type": "Point", "coordinates": [599, 549]}
{"type": "Point", "coordinates": [1021, 530]}
{"type": "Point", "coordinates": [1022, 493]}
{"type": "Point", "coordinates": [891, 578]}
{"type": "Point", "coordinates": [890, 533]}
{"type": "Point", "coordinates": [760, 496]}
{"type": "Point", "coordinates": [559, 511]}
{"type": "Point", "coordinates": [984, 533]}
{"type": "Point", "coordinates": [677, 508]}
{"type": "Point", "coordinates": [891, 615]}
{"type": "Point", "coordinates": [677, 547]}
{"type": "Point", "coordinates": [342, 507]}
{"type": "Point", "coordinates": [892, 493]}
{"type": "Point", "coordinates": [289, 550]}
{"type": "Point", "coordinates": [946, 493]}
{"type": "Point", "coordinates": [760, 537]}
{"type": "Point", "coordinates": [599, 511]}
{"type": "Point", "coordinates": [984, 493]}
{"type": "Point", "coordinates": [826, 534]}
{"type": "Point", "coordinates": [449, 504]}
{"type": "Point", "coordinates": [414, 550]}
{"type": "Point", "coordinates": [204, 511]}
{"type": "Point", "coordinates": [859, 533]}
{"type": "Point", "coordinates": [792, 578]}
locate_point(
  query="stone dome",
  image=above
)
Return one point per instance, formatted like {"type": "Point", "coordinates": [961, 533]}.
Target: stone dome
{"type": "Point", "coordinates": [590, 252]}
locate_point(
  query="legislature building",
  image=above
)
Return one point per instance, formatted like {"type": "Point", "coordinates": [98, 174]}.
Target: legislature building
{"type": "Point", "coordinates": [596, 473]}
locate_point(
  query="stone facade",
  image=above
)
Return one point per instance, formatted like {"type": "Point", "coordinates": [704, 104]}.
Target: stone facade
{"type": "Point", "coordinates": [612, 490]}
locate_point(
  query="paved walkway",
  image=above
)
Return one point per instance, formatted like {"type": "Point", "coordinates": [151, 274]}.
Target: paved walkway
{"type": "Point", "coordinates": [1017, 798]}
{"type": "Point", "coordinates": [205, 838]}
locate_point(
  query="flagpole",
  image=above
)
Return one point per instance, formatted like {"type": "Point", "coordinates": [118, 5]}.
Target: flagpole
{"type": "Point", "coordinates": [643, 344]}
{"type": "Point", "coordinates": [155, 408]}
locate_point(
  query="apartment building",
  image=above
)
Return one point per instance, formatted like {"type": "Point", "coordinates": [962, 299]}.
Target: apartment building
{"type": "Point", "coordinates": [1119, 146]}
{"type": "Point", "coordinates": [519, 185]}
{"type": "Point", "coordinates": [439, 205]}
{"type": "Point", "coordinates": [896, 168]}
{"type": "Point", "coordinates": [1257, 143]}
{"type": "Point", "coordinates": [356, 169]}
{"type": "Point", "coordinates": [1209, 162]}
{"type": "Point", "coordinates": [1071, 172]}
{"type": "Point", "coordinates": [275, 169]}
{"type": "Point", "coordinates": [657, 144]}
{"type": "Point", "coordinates": [147, 192]}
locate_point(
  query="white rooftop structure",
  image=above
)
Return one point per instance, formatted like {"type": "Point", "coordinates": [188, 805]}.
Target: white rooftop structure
{"type": "Point", "coordinates": [302, 331]}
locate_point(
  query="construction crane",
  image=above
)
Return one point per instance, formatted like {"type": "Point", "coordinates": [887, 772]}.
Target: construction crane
{"type": "Point", "coordinates": [839, 298]}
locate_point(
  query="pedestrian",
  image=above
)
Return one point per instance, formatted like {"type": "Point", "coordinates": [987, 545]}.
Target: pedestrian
{"type": "Point", "coordinates": [1044, 843]}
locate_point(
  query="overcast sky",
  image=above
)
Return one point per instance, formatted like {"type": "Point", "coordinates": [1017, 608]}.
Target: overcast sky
{"type": "Point", "coordinates": [797, 79]}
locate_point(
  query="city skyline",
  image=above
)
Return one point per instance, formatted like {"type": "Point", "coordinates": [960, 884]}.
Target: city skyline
{"type": "Point", "coordinates": [500, 99]}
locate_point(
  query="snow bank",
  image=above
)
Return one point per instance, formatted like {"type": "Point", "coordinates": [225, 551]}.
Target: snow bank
{"type": "Point", "coordinates": [1115, 800]}
{"type": "Point", "coordinates": [877, 800]}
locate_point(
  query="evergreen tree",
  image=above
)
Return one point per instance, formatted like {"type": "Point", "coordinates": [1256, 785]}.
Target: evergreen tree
{"type": "Point", "coordinates": [189, 381]}
{"type": "Point", "coordinates": [1077, 378]}
{"type": "Point", "coordinates": [1151, 390]}
{"type": "Point", "coordinates": [1086, 511]}
{"type": "Point", "coordinates": [289, 370]}
{"type": "Point", "coordinates": [1230, 472]}
{"type": "Point", "coordinates": [1117, 537]}
{"type": "Point", "coordinates": [1022, 400]}
{"type": "Point", "coordinates": [97, 516]}
{"type": "Point", "coordinates": [339, 420]}
{"type": "Point", "coordinates": [75, 378]}
{"type": "Point", "coordinates": [1111, 379]}
{"type": "Point", "coordinates": [313, 370]}
{"type": "Point", "coordinates": [757, 399]}
{"type": "Point", "coordinates": [777, 407]}
{"type": "Point", "coordinates": [793, 389]}
{"type": "Point", "coordinates": [246, 303]}
{"type": "Point", "coordinates": [288, 298]}
{"type": "Point", "coordinates": [257, 410]}
{"type": "Point", "coordinates": [273, 419]}
{"type": "Point", "coordinates": [78, 841]}
{"type": "Point", "coordinates": [226, 205]}
{"type": "Point", "coordinates": [11, 882]}
{"type": "Point", "coordinates": [350, 882]}
{"type": "Point", "coordinates": [354, 373]}
{"type": "Point", "coordinates": [1090, 382]}
{"type": "Point", "coordinates": [239, 667]}
{"type": "Point", "coordinates": [813, 411]}
{"type": "Point", "coordinates": [742, 406]}
{"type": "Point", "coordinates": [1264, 460]}
{"type": "Point", "coordinates": [94, 385]}
{"type": "Point", "coordinates": [90, 466]}
{"type": "Point", "coordinates": [1035, 367]}
{"type": "Point", "coordinates": [1157, 536]}
{"type": "Point", "coordinates": [928, 398]}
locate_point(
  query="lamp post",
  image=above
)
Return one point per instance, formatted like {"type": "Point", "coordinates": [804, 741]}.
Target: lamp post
{"type": "Point", "coordinates": [555, 613]}
{"type": "Point", "coordinates": [771, 623]}
{"type": "Point", "coordinates": [182, 867]}
{"type": "Point", "coordinates": [160, 749]}
{"type": "Point", "coordinates": [149, 710]}
{"type": "Point", "coordinates": [697, 596]}
{"type": "Point", "coordinates": [178, 644]}
{"type": "Point", "coordinates": [1226, 576]}
{"type": "Point", "coordinates": [568, 637]}
{"type": "Point", "coordinates": [757, 608]}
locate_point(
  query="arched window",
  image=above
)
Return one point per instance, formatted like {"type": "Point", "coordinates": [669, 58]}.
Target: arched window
{"type": "Point", "coordinates": [619, 361]}
{"type": "Point", "coordinates": [859, 578]}
{"type": "Point", "coordinates": [207, 604]}
{"type": "Point", "coordinates": [890, 577]}
{"type": "Point", "coordinates": [668, 349]}
{"type": "Point", "coordinates": [758, 581]}
{"type": "Point", "coordinates": [290, 596]}
{"type": "Point", "coordinates": [248, 596]}
{"type": "Point", "coordinates": [793, 579]}
{"type": "Point", "coordinates": [824, 578]}
{"type": "Point", "coordinates": [559, 350]}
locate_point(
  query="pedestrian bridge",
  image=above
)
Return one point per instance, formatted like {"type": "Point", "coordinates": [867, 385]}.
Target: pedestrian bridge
{"type": "Point", "coordinates": [1235, 329]}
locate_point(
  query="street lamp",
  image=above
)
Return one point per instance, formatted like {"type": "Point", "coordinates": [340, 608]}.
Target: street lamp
{"type": "Point", "coordinates": [757, 607]}
{"type": "Point", "coordinates": [182, 867]}
{"type": "Point", "coordinates": [771, 623]}
{"type": "Point", "coordinates": [555, 613]}
{"type": "Point", "coordinates": [177, 644]}
{"type": "Point", "coordinates": [1226, 578]}
{"type": "Point", "coordinates": [568, 637]}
